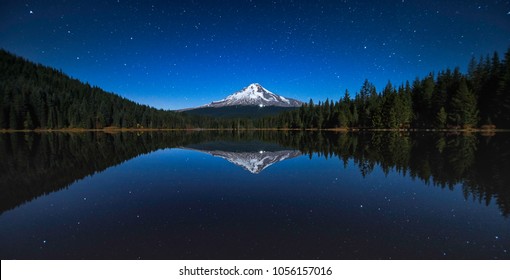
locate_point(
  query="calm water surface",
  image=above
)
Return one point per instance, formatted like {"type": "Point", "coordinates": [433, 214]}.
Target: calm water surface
{"type": "Point", "coordinates": [258, 195]}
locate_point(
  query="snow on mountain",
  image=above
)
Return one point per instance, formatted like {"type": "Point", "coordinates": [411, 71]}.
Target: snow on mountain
{"type": "Point", "coordinates": [255, 95]}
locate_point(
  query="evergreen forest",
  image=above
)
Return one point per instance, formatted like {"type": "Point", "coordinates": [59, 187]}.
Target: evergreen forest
{"type": "Point", "coordinates": [33, 96]}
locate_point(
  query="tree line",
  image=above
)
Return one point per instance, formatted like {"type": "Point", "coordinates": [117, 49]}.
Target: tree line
{"type": "Point", "coordinates": [33, 96]}
{"type": "Point", "coordinates": [448, 99]}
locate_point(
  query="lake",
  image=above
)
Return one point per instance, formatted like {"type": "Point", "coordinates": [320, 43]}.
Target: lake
{"type": "Point", "coordinates": [254, 195]}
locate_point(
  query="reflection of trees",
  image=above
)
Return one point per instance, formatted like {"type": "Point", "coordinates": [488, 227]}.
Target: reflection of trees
{"type": "Point", "coordinates": [479, 163]}
{"type": "Point", "coordinates": [36, 164]}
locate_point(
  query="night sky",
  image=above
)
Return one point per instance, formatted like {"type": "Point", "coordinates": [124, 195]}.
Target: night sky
{"type": "Point", "coordinates": [177, 54]}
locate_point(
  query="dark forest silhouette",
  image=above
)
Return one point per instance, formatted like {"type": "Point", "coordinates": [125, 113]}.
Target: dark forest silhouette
{"type": "Point", "coordinates": [446, 100]}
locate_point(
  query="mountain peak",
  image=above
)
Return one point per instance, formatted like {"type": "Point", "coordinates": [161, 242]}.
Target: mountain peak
{"type": "Point", "coordinates": [255, 95]}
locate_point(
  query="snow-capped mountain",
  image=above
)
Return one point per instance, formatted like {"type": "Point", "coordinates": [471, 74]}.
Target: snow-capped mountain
{"type": "Point", "coordinates": [255, 95]}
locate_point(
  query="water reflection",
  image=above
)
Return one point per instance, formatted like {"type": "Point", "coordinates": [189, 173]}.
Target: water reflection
{"type": "Point", "coordinates": [34, 164]}
{"type": "Point", "coordinates": [253, 156]}
{"type": "Point", "coordinates": [254, 195]}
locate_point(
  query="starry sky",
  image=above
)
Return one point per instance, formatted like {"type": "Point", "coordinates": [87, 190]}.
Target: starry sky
{"type": "Point", "coordinates": [179, 54]}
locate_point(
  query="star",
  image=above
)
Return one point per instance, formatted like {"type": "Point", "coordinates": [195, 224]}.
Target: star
{"type": "Point", "coordinates": [219, 42]}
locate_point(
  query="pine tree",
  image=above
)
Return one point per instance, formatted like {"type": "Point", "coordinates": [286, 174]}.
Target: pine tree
{"type": "Point", "coordinates": [503, 93]}
{"type": "Point", "coordinates": [464, 107]}
{"type": "Point", "coordinates": [389, 107]}
{"type": "Point", "coordinates": [441, 118]}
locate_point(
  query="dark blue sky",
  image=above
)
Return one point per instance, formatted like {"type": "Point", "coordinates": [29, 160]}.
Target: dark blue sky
{"type": "Point", "coordinates": [176, 54]}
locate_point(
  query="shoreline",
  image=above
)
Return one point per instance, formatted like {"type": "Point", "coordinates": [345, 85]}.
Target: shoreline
{"type": "Point", "coordinates": [116, 130]}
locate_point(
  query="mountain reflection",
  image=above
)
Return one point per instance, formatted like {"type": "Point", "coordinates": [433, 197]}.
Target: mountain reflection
{"type": "Point", "coordinates": [35, 164]}
{"type": "Point", "coordinates": [253, 156]}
